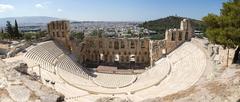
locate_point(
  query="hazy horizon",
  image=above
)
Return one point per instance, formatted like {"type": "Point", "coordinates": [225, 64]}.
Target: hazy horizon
{"type": "Point", "coordinates": [108, 10]}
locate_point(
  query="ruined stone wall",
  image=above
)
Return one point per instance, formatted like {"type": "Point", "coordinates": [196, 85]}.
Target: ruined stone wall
{"type": "Point", "coordinates": [107, 49]}
{"type": "Point", "coordinates": [175, 37]}
{"type": "Point", "coordinates": [59, 31]}
{"type": "Point", "coordinates": [221, 56]}
{"type": "Point", "coordinates": [157, 49]}
{"type": "Point", "coordinates": [121, 50]}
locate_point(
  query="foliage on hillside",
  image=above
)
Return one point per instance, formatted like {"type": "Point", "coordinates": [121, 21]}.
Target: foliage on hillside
{"type": "Point", "coordinates": [225, 28]}
{"type": "Point", "coordinates": [161, 25]}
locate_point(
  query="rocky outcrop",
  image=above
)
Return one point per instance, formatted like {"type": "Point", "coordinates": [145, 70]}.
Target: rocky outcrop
{"type": "Point", "coordinates": [17, 86]}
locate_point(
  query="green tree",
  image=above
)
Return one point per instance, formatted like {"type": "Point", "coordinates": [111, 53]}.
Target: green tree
{"type": "Point", "coordinates": [94, 33]}
{"type": "Point", "coordinates": [129, 31]}
{"type": "Point", "coordinates": [225, 28]}
{"type": "Point", "coordinates": [16, 31]}
{"type": "Point", "coordinates": [28, 36]}
{"type": "Point", "coordinates": [98, 33]}
{"type": "Point", "coordinates": [9, 29]}
{"type": "Point", "coordinates": [4, 36]}
{"type": "Point", "coordinates": [79, 35]}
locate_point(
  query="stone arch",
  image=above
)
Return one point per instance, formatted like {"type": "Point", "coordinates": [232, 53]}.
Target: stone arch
{"type": "Point", "coordinates": [122, 44]}
{"type": "Point", "coordinates": [173, 36]}
{"type": "Point", "coordinates": [180, 36]}
{"type": "Point", "coordinates": [186, 35]}
{"type": "Point", "coordinates": [132, 44]}
{"type": "Point", "coordinates": [110, 59]}
{"type": "Point", "coordinates": [116, 45]}
{"type": "Point", "coordinates": [236, 58]}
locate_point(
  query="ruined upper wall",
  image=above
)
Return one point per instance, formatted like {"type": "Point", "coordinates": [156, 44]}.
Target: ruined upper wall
{"type": "Point", "coordinates": [59, 31]}
{"type": "Point", "coordinates": [143, 49]}
{"type": "Point", "coordinates": [175, 37]}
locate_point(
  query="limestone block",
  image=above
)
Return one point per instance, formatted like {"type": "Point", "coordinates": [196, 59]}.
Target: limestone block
{"type": "Point", "coordinates": [19, 93]}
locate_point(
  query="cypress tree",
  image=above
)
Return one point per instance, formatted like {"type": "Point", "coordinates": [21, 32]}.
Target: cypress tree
{"type": "Point", "coordinates": [9, 29]}
{"type": "Point", "coordinates": [16, 31]}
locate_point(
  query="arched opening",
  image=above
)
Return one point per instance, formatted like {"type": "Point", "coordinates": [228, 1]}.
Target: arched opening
{"type": "Point", "coordinates": [116, 59]}
{"type": "Point", "coordinates": [180, 36]}
{"type": "Point", "coordinates": [132, 61]}
{"type": "Point", "coordinates": [122, 45]}
{"type": "Point", "coordinates": [236, 58]}
{"type": "Point", "coordinates": [116, 45]}
{"type": "Point", "coordinates": [173, 36]}
{"type": "Point", "coordinates": [132, 44]}
{"type": "Point", "coordinates": [186, 36]}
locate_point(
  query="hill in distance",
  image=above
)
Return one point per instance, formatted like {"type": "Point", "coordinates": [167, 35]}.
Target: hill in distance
{"type": "Point", "coordinates": [28, 20]}
{"type": "Point", "coordinates": [161, 25]}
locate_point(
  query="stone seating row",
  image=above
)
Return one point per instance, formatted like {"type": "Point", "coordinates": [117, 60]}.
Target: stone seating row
{"type": "Point", "coordinates": [189, 63]}
{"type": "Point", "coordinates": [67, 64]}
{"type": "Point", "coordinates": [114, 80]}
{"type": "Point", "coordinates": [52, 48]}
{"type": "Point", "coordinates": [42, 58]}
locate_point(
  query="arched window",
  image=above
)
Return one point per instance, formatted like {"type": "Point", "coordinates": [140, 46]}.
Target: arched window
{"type": "Point", "coordinates": [186, 36]}
{"type": "Point", "coordinates": [63, 34]}
{"type": "Point", "coordinates": [53, 34]}
{"type": "Point", "coordinates": [142, 59]}
{"type": "Point", "coordinates": [116, 45]}
{"type": "Point", "coordinates": [173, 36]}
{"type": "Point", "coordinates": [62, 25]}
{"type": "Point", "coordinates": [180, 36]}
{"type": "Point", "coordinates": [110, 44]}
{"type": "Point", "coordinates": [142, 44]}
{"type": "Point", "coordinates": [132, 44]}
{"type": "Point", "coordinates": [100, 44]}
{"type": "Point", "coordinates": [121, 58]}
{"type": "Point", "coordinates": [137, 59]}
{"type": "Point", "coordinates": [53, 25]}
{"type": "Point", "coordinates": [48, 26]}
{"type": "Point", "coordinates": [58, 34]}
{"type": "Point", "coordinates": [122, 45]}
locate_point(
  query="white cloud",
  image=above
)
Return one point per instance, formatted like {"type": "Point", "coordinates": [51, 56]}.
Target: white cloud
{"type": "Point", "coordinates": [39, 6]}
{"type": "Point", "coordinates": [59, 10]}
{"type": "Point", "coordinates": [5, 7]}
{"type": "Point", "coordinates": [43, 5]}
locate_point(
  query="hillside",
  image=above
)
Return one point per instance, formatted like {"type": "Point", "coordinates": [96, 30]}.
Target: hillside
{"type": "Point", "coordinates": [162, 24]}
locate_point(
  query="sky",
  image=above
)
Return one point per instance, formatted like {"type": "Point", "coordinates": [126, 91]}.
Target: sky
{"type": "Point", "coordinates": [110, 10]}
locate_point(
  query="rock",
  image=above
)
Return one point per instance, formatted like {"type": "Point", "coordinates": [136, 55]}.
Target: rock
{"type": "Point", "coordinates": [19, 93]}
{"type": "Point", "coordinates": [49, 98]}
{"type": "Point", "coordinates": [22, 68]}
{"type": "Point", "coordinates": [236, 81]}
{"type": "Point", "coordinates": [6, 99]}
{"type": "Point", "coordinates": [113, 99]}
{"type": "Point", "coordinates": [4, 96]}
{"type": "Point", "coordinates": [217, 99]}
{"type": "Point", "coordinates": [16, 82]}
{"type": "Point", "coordinates": [3, 82]}
{"type": "Point", "coordinates": [153, 100]}
{"type": "Point", "coordinates": [33, 85]}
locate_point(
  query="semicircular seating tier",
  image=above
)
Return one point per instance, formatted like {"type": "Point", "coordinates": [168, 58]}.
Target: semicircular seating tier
{"type": "Point", "coordinates": [186, 62]}
{"type": "Point", "coordinates": [44, 54]}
